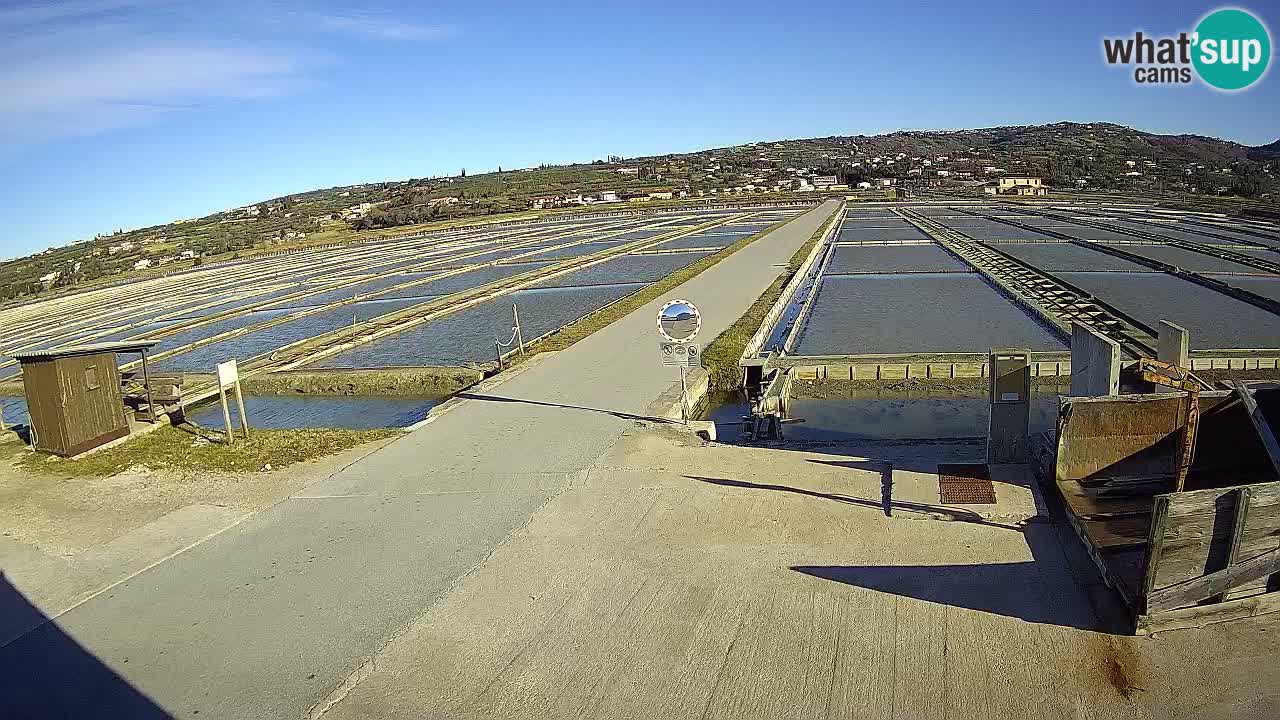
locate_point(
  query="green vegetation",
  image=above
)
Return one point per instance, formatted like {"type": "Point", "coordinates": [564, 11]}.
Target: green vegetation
{"type": "Point", "coordinates": [190, 448]}
{"type": "Point", "coordinates": [407, 382]}
{"type": "Point", "coordinates": [720, 358]}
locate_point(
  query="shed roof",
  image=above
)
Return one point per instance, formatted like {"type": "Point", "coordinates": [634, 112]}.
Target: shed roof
{"type": "Point", "coordinates": [93, 349]}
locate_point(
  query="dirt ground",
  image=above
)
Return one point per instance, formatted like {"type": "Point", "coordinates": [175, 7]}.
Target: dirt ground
{"type": "Point", "coordinates": [66, 515]}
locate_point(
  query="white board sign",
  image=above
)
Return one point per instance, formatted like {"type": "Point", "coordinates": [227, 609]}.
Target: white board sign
{"type": "Point", "coordinates": [228, 374]}
{"type": "Point", "coordinates": [680, 354]}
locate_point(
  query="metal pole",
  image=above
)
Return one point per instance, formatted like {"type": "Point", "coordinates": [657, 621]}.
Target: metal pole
{"type": "Point", "coordinates": [684, 398]}
{"type": "Point", "coordinates": [519, 333]}
{"type": "Point", "coordinates": [497, 349]}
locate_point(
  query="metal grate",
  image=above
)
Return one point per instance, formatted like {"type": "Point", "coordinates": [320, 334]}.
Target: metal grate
{"type": "Point", "coordinates": [966, 484]}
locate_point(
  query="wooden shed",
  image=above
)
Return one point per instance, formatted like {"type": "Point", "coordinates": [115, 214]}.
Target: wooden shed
{"type": "Point", "coordinates": [73, 395]}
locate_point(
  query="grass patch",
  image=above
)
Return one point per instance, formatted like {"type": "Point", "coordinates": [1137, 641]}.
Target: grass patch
{"type": "Point", "coordinates": [590, 323]}
{"type": "Point", "coordinates": [720, 358]}
{"type": "Point", "coordinates": [187, 447]}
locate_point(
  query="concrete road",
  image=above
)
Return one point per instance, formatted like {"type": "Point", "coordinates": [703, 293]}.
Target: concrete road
{"type": "Point", "coordinates": [681, 582]}
{"type": "Point", "coordinates": [271, 617]}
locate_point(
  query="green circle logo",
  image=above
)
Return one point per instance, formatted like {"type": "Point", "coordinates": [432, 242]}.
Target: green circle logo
{"type": "Point", "coordinates": [1232, 49]}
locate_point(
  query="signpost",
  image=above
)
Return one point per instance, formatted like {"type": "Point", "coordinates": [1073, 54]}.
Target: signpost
{"type": "Point", "coordinates": [679, 322]}
{"type": "Point", "coordinates": [229, 377]}
{"type": "Point", "coordinates": [684, 355]}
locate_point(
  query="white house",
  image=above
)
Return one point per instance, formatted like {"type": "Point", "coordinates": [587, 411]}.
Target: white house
{"type": "Point", "coordinates": [142, 264]}
{"type": "Point", "coordinates": [1016, 185]}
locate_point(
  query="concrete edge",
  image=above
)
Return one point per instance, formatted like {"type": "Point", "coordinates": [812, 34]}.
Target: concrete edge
{"type": "Point", "coordinates": [455, 402]}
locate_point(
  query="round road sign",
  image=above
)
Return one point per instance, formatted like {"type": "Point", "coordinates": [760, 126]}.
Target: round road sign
{"type": "Point", "coordinates": [679, 321]}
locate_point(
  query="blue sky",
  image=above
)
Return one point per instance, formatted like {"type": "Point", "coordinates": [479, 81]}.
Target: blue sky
{"type": "Point", "coordinates": [125, 113]}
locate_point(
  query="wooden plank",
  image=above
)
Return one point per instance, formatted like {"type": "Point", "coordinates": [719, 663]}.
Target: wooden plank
{"type": "Point", "coordinates": [1240, 513]}
{"type": "Point", "coordinates": [1195, 544]}
{"type": "Point", "coordinates": [1200, 502]}
{"type": "Point", "coordinates": [1092, 506]}
{"type": "Point", "coordinates": [1118, 480]}
{"type": "Point", "coordinates": [1155, 545]}
{"type": "Point", "coordinates": [1109, 575]}
{"type": "Point", "coordinates": [1260, 424]}
{"type": "Point", "coordinates": [1121, 532]}
{"type": "Point", "coordinates": [1197, 589]}
{"type": "Point", "coordinates": [1116, 437]}
{"type": "Point", "coordinates": [1127, 565]}
{"type": "Point", "coordinates": [1202, 615]}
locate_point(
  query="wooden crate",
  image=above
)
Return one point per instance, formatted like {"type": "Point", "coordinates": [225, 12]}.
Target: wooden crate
{"type": "Point", "coordinates": [1177, 559]}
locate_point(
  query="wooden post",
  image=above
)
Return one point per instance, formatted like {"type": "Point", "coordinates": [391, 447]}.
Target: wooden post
{"type": "Point", "coordinates": [226, 414]}
{"type": "Point", "coordinates": [244, 421]}
{"type": "Point", "coordinates": [1155, 546]}
{"type": "Point", "coordinates": [1239, 515]}
{"type": "Point", "coordinates": [515, 314]}
{"type": "Point", "coordinates": [146, 383]}
{"type": "Point", "coordinates": [1186, 452]}
{"type": "Point", "coordinates": [1260, 426]}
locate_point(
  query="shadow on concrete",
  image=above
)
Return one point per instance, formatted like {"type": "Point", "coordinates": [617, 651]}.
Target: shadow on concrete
{"type": "Point", "coordinates": [47, 674]}
{"type": "Point", "coordinates": [1011, 589]}
{"type": "Point", "coordinates": [541, 403]}
{"type": "Point", "coordinates": [885, 504]}
{"type": "Point", "coordinates": [903, 455]}
{"type": "Point", "coordinates": [1059, 586]}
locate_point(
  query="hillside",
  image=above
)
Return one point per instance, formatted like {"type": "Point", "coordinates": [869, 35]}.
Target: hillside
{"type": "Point", "coordinates": [1262, 153]}
{"type": "Point", "coordinates": [1071, 156]}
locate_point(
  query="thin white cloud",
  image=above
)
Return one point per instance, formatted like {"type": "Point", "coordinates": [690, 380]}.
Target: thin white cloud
{"type": "Point", "coordinates": [149, 74]}
{"type": "Point", "coordinates": [83, 68]}
{"type": "Point", "coordinates": [90, 66]}
{"type": "Point", "coordinates": [29, 14]}
{"type": "Point", "coordinates": [383, 27]}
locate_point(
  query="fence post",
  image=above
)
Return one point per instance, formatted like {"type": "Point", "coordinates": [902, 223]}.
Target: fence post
{"type": "Point", "coordinates": [515, 314]}
{"type": "Point", "coordinates": [226, 413]}
{"type": "Point", "coordinates": [244, 421]}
